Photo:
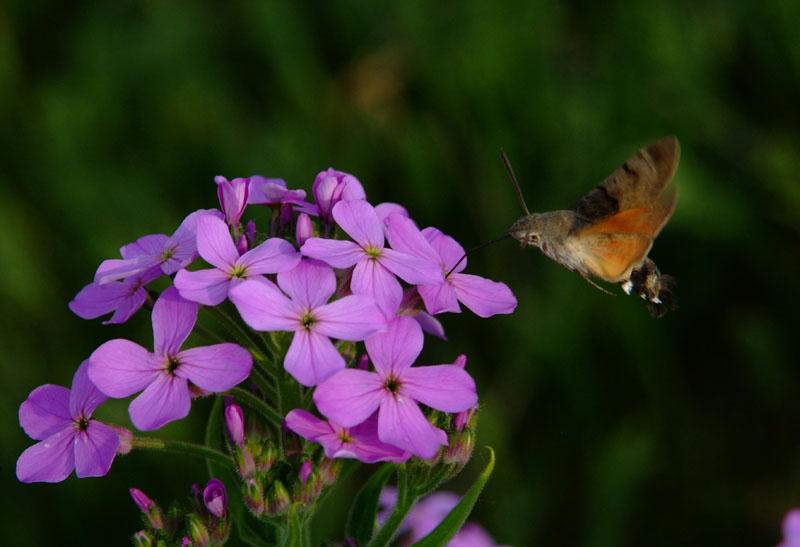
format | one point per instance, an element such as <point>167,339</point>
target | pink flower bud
<point>232,197</point>
<point>149,508</point>
<point>125,439</point>
<point>215,498</point>
<point>143,539</point>
<point>280,501</point>
<point>234,420</point>
<point>304,229</point>
<point>331,187</point>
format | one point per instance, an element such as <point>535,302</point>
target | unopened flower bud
<point>465,418</point>
<point>125,439</point>
<point>363,362</point>
<point>234,420</point>
<point>186,542</point>
<point>241,244</point>
<point>149,508</point>
<point>329,469</point>
<point>460,450</point>
<point>232,197</point>
<point>244,461</point>
<point>287,214</point>
<point>215,498</point>
<point>305,472</point>
<point>254,496</point>
<point>280,501</point>
<point>142,538</point>
<point>197,530</point>
<point>304,229</point>
<point>267,457</point>
<point>250,232</point>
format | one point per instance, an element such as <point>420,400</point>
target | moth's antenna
<point>481,246</point>
<point>514,180</point>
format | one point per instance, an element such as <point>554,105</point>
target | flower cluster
<point>322,311</point>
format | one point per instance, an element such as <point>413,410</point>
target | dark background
<point>611,428</point>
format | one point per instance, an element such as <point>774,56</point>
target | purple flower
<point>232,198</point>
<point>273,192</point>
<point>124,298</point>
<point>375,266</point>
<point>332,186</point>
<point>791,529</point>
<point>70,438</point>
<point>157,250</point>
<point>360,442</point>
<point>120,367</point>
<point>351,396</point>
<point>211,286</point>
<point>312,357</point>
<point>215,498</point>
<point>483,296</point>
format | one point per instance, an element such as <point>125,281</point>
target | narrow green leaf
<point>455,519</point>
<point>361,521</point>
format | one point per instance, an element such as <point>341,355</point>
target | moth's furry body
<point>609,232</point>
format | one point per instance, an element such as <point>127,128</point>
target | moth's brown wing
<point>611,256</point>
<point>645,220</point>
<point>638,183</point>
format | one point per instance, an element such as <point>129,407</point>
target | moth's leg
<point>592,283</point>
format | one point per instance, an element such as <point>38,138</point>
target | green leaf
<point>247,525</point>
<point>455,519</point>
<point>361,521</point>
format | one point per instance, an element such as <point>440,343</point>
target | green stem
<point>405,501</point>
<point>264,380</point>
<point>257,404</point>
<point>182,447</point>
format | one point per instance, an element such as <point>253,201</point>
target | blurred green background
<point>611,428</point>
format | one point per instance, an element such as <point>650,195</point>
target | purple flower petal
<point>353,317</point>
<point>360,221</point>
<point>272,191</point>
<point>312,358</point>
<point>430,324</point>
<point>369,448</point>
<point>215,368</point>
<point>181,247</point>
<point>272,256</point>
<point>483,296</point>
<point>95,300</point>
<point>263,306</point>
<point>402,424</point>
<point>120,368</point>
<point>45,411</point>
<point>173,320</point>
<point>386,209</point>
<point>372,279</point>
<point>411,269</point>
<point>115,269</point>
<point>339,254</point>
<point>310,284</point>
<point>306,424</point>
<point>440,298</point>
<point>95,449</point>
<point>149,245</point>
<point>350,396</point>
<point>166,399</point>
<point>50,460</point>
<point>405,237</point>
<point>444,387</point>
<point>84,396</point>
<point>450,252</point>
<point>207,287</point>
<point>397,348</point>
<point>214,242</point>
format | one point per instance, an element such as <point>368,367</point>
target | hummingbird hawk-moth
<point>609,231</point>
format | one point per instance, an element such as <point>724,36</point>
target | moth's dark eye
<point>534,238</point>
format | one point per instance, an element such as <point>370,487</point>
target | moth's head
<point>528,231</point>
